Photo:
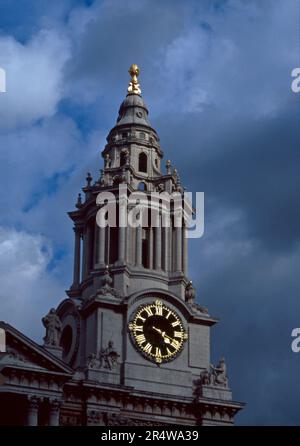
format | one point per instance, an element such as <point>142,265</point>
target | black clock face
<point>158,332</point>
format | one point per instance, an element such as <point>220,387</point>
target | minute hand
<point>165,337</point>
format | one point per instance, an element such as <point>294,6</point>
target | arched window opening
<point>142,187</point>
<point>145,248</point>
<point>143,161</point>
<point>123,158</point>
<point>66,340</point>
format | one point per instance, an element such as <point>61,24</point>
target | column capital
<point>78,229</point>
<point>55,404</point>
<point>33,401</point>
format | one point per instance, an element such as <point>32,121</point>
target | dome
<point>133,110</point>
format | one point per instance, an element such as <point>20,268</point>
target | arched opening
<point>142,186</point>
<point>145,248</point>
<point>123,158</point>
<point>143,161</point>
<point>66,340</point>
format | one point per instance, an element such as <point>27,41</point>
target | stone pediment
<point>23,353</point>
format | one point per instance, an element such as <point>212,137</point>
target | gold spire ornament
<point>134,86</point>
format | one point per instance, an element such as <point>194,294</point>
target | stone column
<point>96,245</point>
<point>86,251</point>
<point>32,411</point>
<point>150,247</point>
<point>101,247</point>
<point>166,249</point>
<point>184,250</point>
<point>54,412</point>
<point>122,242</point>
<point>158,245</point>
<point>139,230</point>
<point>178,259</point>
<point>77,253</point>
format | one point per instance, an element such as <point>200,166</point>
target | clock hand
<point>165,337</point>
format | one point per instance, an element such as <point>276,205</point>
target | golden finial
<point>134,86</point>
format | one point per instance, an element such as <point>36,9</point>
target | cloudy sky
<point>216,76</point>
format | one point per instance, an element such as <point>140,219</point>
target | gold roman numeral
<point>138,328</point>
<point>175,324</point>
<point>158,352</point>
<point>148,348</point>
<point>148,310</point>
<point>158,310</point>
<point>140,339</point>
<point>175,344</point>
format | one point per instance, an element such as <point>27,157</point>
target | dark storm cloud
<point>249,165</point>
<point>216,77</point>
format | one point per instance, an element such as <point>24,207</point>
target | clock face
<point>158,332</point>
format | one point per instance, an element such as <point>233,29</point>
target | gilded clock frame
<point>152,357</point>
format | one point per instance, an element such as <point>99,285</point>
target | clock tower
<point>131,330</point>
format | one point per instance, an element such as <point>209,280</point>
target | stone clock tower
<point>134,343</point>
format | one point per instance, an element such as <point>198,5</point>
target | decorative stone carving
<point>160,187</point>
<point>168,167</point>
<point>92,361</point>
<point>106,288</point>
<point>205,378</point>
<point>119,420</point>
<point>15,355</point>
<point>107,161</point>
<point>106,359</point>
<point>89,180</point>
<point>70,420</point>
<point>190,295</point>
<point>94,417</point>
<point>218,373</point>
<point>79,202</point>
<point>216,376</point>
<point>102,181</point>
<point>53,326</point>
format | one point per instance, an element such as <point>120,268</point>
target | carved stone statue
<point>218,372</point>
<point>53,327</point>
<point>205,378</point>
<point>107,161</point>
<point>216,376</point>
<point>93,361</point>
<point>190,295</point>
<point>108,357</point>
